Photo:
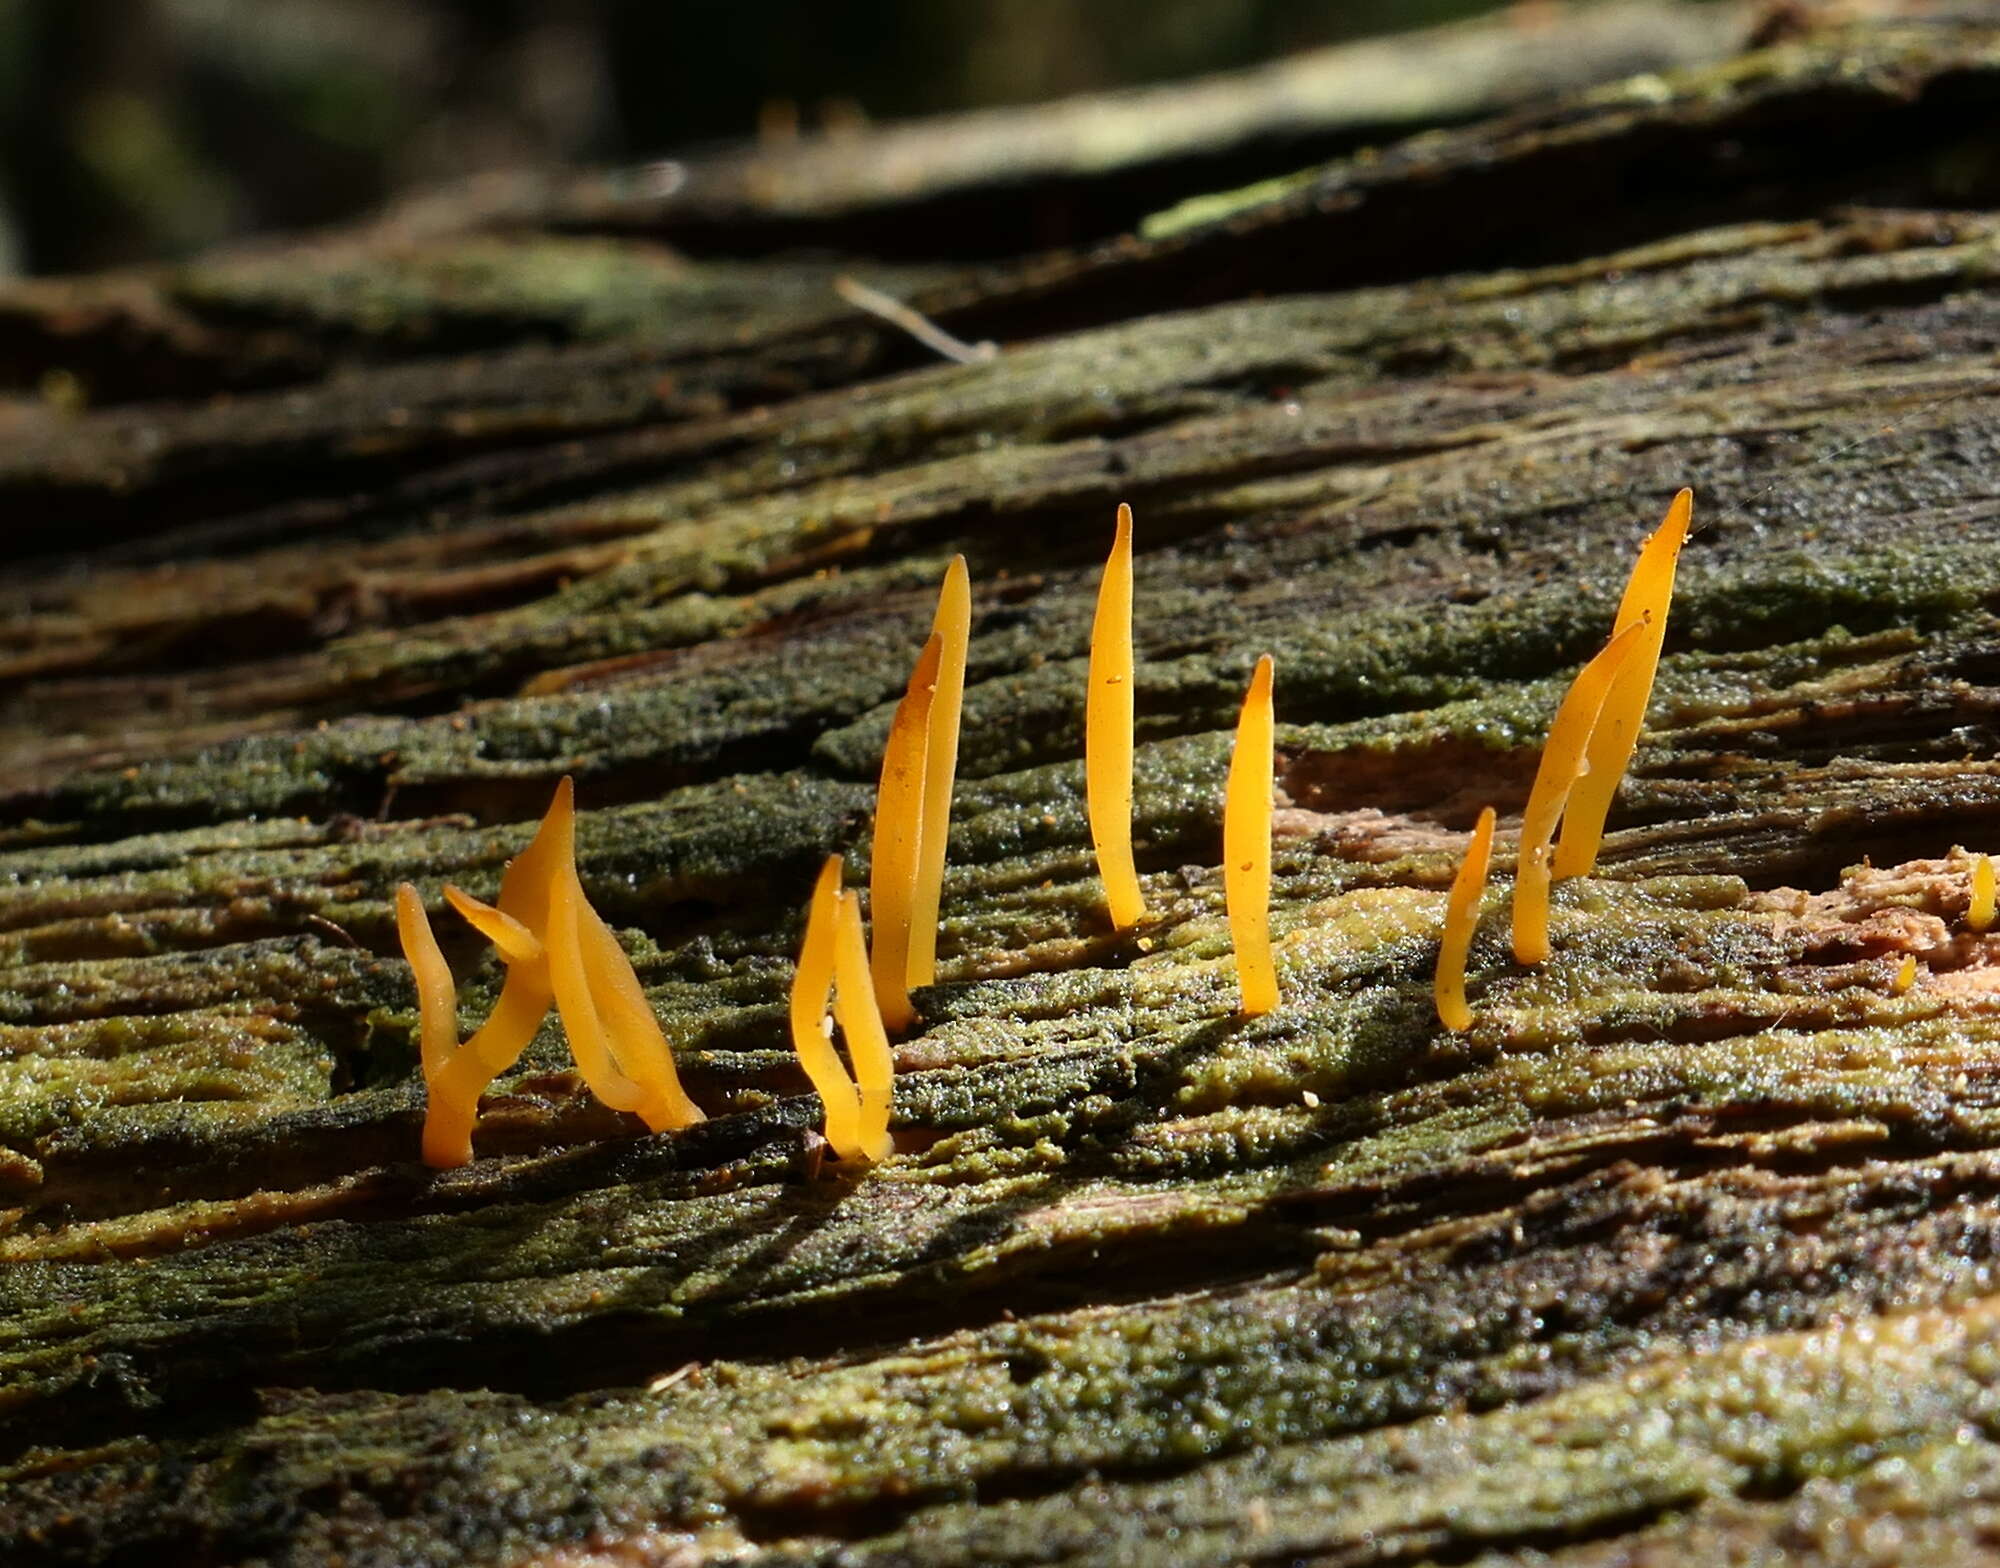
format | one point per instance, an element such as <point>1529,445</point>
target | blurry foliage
<point>131,129</point>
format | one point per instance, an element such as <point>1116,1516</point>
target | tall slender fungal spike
<point>1648,592</point>
<point>867,1041</point>
<point>1461,918</point>
<point>437,995</point>
<point>1979,913</point>
<point>1562,760</point>
<point>953,626</point>
<point>812,986</point>
<point>894,861</point>
<point>1107,733</point>
<point>1246,846</point>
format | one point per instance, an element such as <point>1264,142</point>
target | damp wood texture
<point>1681,1250</point>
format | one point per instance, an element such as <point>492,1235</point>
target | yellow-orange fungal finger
<point>588,1045</point>
<point>1648,593</point>
<point>867,1041</point>
<point>437,994</point>
<point>812,986</point>
<point>953,627</point>
<point>1562,757</point>
<point>515,942</point>
<point>1107,733</point>
<point>1906,974</point>
<point>638,1047</point>
<point>892,870</point>
<point>1461,918</point>
<point>451,1104</point>
<point>1246,846</point>
<point>1979,912</point>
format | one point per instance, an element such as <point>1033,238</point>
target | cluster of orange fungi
<point>1589,746</point>
<point>560,953</point>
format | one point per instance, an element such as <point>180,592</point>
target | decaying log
<point>1684,1251</point>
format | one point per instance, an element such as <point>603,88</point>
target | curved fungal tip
<point>515,942</point>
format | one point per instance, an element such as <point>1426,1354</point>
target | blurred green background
<point>138,129</point>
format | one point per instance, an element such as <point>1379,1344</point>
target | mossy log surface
<point>1685,1251</point>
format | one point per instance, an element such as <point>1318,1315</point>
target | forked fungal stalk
<point>1107,733</point>
<point>557,950</point>
<point>1246,846</point>
<point>1562,759</point>
<point>1461,918</point>
<point>1648,593</point>
<point>1979,913</point>
<point>860,1023</point>
<point>812,988</point>
<point>953,626</point>
<point>896,856</point>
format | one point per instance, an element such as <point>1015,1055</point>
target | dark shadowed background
<point>137,129</point>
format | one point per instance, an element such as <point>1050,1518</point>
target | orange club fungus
<point>833,961</point>
<point>1461,918</point>
<point>952,625</point>
<point>812,987</point>
<point>1107,733</point>
<point>1562,762</point>
<point>861,1026</point>
<point>557,950</point>
<point>1979,911</point>
<point>1648,592</point>
<point>913,807</point>
<point>895,861</point>
<point>1246,846</point>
